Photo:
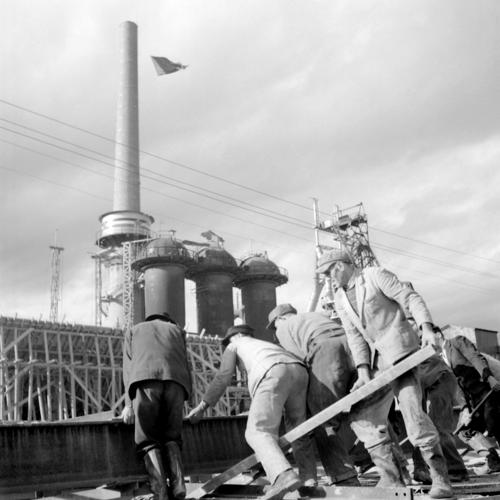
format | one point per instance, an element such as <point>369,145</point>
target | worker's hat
<point>161,316</point>
<point>279,310</point>
<point>329,258</point>
<point>233,330</point>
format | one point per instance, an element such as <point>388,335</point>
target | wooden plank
<point>343,405</point>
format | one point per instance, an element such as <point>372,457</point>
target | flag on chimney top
<point>164,66</point>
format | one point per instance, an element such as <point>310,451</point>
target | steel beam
<point>45,457</point>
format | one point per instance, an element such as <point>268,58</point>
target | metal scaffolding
<point>346,229</point>
<point>53,371</point>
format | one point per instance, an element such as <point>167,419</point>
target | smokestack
<point>126,222</point>
<point>127,182</point>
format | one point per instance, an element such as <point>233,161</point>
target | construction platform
<point>480,486</point>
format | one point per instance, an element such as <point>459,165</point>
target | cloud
<point>391,103</point>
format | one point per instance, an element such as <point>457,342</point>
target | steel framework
<point>53,371</point>
<point>347,229</point>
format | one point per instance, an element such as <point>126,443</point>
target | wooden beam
<point>343,405</point>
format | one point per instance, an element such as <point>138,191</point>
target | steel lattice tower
<point>55,281</point>
<point>346,229</point>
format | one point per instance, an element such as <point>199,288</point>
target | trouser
<point>439,402</point>
<point>158,406</point>
<point>488,415</point>
<point>331,373</point>
<point>369,422</point>
<point>284,387</point>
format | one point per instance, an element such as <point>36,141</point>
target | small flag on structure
<point>164,66</point>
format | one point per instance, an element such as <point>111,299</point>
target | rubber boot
<point>383,459</point>
<point>175,470</point>
<point>285,482</point>
<point>441,487</point>
<point>420,470</point>
<point>401,463</point>
<point>156,473</point>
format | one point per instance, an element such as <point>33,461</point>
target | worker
<point>157,382</point>
<point>439,386</point>
<point>371,304</point>
<point>440,389</point>
<point>277,381</point>
<point>476,379</point>
<point>321,344</point>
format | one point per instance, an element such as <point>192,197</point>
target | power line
<point>433,245</point>
<point>390,249</point>
<point>484,291</point>
<point>143,169</point>
<point>201,172</point>
<point>435,261</point>
<point>155,192</point>
<point>152,155</point>
<point>280,219</point>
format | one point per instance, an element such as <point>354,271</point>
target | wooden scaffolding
<point>53,371</point>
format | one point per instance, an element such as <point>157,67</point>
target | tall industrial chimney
<point>126,222</point>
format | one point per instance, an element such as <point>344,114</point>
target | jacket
<point>155,350</point>
<point>253,355</point>
<point>299,333</point>
<point>431,370</point>
<point>469,365</point>
<point>380,324</point>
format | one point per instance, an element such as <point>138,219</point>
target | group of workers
<point>312,361</point>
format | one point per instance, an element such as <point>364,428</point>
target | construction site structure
<point>55,281</point>
<point>258,278</point>
<point>345,229</point>
<point>53,371</point>
<point>213,269</point>
<point>126,222</point>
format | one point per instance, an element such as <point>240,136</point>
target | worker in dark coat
<point>439,387</point>
<point>371,304</point>
<point>476,380</point>
<point>157,382</point>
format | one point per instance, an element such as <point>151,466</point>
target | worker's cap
<point>329,258</point>
<point>161,316</point>
<point>233,330</point>
<point>279,310</point>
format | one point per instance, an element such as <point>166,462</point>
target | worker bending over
<point>476,379</point>
<point>277,381</point>
<point>321,344</point>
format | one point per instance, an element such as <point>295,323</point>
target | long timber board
<point>343,405</point>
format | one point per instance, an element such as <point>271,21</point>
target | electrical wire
<point>201,172</point>
<point>126,166</point>
<point>280,219</point>
<point>434,261</point>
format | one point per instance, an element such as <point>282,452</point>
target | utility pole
<point>55,280</point>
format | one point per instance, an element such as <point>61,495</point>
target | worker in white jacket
<point>277,381</point>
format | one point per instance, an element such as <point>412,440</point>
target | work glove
<point>428,335</point>
<point>127,415</point>
<point>196,413</point>
<point>464,419</point>
<point>363,377</point>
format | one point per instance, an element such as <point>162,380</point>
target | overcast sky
<point>391,103</point>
